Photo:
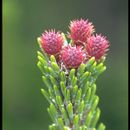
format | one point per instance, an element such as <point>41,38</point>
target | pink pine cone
<point>80,30</point>
<point>52,42</point>
<point>97,46</point>
<point>72,57</point>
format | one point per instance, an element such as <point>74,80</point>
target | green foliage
<point>72,98</point>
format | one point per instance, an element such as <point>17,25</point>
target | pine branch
<point>74,106</point>
<point>69,74</point>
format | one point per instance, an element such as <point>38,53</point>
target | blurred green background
<point>24,107</point>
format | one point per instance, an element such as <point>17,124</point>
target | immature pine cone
<point>52,42</point>
<point>72,57</point>
<point>80,30</point>
<point>97,46</point>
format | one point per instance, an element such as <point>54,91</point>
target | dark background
<point>24,108</point>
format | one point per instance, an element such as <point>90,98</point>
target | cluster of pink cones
<point>83,45</point>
